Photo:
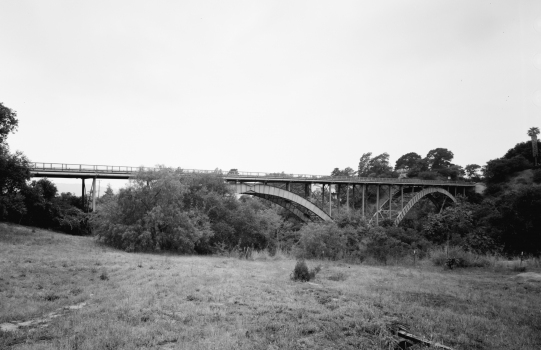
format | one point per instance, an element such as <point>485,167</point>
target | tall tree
<point>8,122</point>
<point>363,169</point>
<point>533,132</point>
<point>408,161</point>
<point>472,171</point>
<point>439,158</point>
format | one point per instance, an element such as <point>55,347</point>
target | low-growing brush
<point>302,273</point>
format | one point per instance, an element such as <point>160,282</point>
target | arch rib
<point>302,208</point>
<point>418,197</point>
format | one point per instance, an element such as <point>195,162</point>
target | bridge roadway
<point>256,183</point>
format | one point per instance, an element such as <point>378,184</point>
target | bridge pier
<point>93,194</point>
<point>353,196</point>
<point>330,200</point>
<point>347,196</point>
<point>390,200</point>
<point>401,197</point>
<point>377,205</point>
<point>83,190</point>
<point>363,189</point>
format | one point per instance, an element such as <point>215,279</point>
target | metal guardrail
<point>114,169</point>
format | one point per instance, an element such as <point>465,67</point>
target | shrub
<point>321,241</point>
<point>302,273</point>
<point>457,257</point>
<point>537,176</point>
<point>104,276</point>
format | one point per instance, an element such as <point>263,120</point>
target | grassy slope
<point>166,302</point>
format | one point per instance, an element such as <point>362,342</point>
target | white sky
<point>300,87</point>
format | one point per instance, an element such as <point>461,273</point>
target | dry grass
<point>188,302</point>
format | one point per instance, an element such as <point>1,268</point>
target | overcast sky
<point>294,86</point>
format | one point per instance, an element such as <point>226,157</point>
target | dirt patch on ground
<point>529,276</point>
<point>41,321</point>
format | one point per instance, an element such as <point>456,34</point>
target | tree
<point>499,170</point>
<point>347,172</point>
<point>408,161</point>
<point>377,166</point>
<point>14,173</point>
<point>523,149</point>
<point>8,122</point>
<point>533,132</point>
<point>472,172</point>
<point>439,158</point>
<point>363,169</point>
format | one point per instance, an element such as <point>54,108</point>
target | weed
<point>340,276</point>
<point>104,276</point>
<point>302,273</point>
<point>519,268</point>
<point>51,297</point>
<point>93,270</point>
<point>457,257</point>
<point>76,291</point>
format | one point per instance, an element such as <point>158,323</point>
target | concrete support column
<point>377,205</point>
<point>401,198</point>
<point>93,194</point>
<point>288,186</point>
<point>353,196</point>
<point>363,186</point>
<point>338,187</point>
<point>83,190</point>
<point>390,199</point>
<point>322,196</point>
<point>347,196</point>
<point>330,200</point>
<point>307,190</point>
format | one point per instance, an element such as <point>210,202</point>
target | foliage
<point>537,176</point>
<point>427,175</point>
<point>159,210</point>
<point>377,166</point>
<point>14,172</point>
<point>302,273</point>
<point>408,161</point>
<point>518,222</point>
<point>321,241</point>
<point>523,149</point>
<point>499,170</point>
<point>472,172</point>
<point>463,224</point>
<point>457,257</point>
<point>347,172</point>
<point>8,122</point>
<point>185,213</point>
<point>439,158</point>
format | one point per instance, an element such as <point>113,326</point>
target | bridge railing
<point>115,169</point>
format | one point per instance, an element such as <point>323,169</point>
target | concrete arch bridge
<point>394,198</point>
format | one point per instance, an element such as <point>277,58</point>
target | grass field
<point>155,301</point>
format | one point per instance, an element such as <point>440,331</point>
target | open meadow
<point>125,300</point>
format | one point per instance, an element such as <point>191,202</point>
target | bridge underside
<point>393,207</point>
<point>299,206</point>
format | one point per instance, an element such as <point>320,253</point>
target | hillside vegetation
<point>161,301</point>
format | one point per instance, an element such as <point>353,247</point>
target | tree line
<point>197,213</point>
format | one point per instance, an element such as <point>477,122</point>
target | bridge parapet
<point>57,169</point>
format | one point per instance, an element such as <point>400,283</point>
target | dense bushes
<point>170,210</point>
<point>356,241</point>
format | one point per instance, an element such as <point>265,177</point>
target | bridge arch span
<point>302,208</point>
<point>423,193</point>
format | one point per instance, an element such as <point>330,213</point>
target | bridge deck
<point>59,170</point>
